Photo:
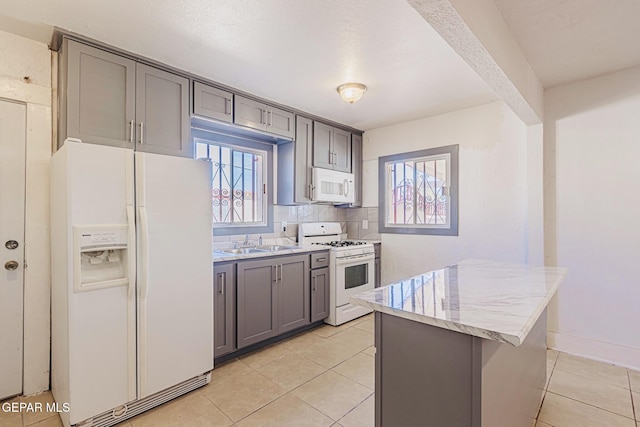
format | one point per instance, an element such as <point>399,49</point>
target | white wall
<point>535,194</point>
<point>25,58</point>
<point>493,195</point>
<point>592,211</point>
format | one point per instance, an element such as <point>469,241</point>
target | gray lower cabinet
<point>224,308</point>
<point>272,297</point>
<point>258,115</point>
<point>257,301</point>
<point>294,165</point>
<point>112,100</point>
<point>212,103</point>
<point>293,292</point>
<point>320,287</point>
<point>331,147</point>
<point>319,294</point>
<point>378,271</point>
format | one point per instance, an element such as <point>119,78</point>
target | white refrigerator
<point>132,296</point>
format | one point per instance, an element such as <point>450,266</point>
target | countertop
<point>491,300</point>
<point>219,256</point>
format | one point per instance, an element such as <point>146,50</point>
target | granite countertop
<point>220,256</point>
<point>492,300</point>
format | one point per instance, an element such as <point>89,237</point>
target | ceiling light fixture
<point>352,92</point>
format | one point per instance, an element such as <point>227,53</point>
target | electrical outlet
<point>365,224</point>
<point>284,225</point>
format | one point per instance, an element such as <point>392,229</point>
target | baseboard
<point>628,357</point>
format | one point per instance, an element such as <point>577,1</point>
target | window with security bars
<point>238,177</point>
<point>419,192</point>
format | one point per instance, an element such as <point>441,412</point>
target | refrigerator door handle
<point>144,252</point>
<point>131,296</point>
<point>132,251</point>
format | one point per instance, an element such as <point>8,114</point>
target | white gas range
<point>351,268</point>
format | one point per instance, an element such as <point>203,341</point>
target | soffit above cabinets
<point>294,53</point>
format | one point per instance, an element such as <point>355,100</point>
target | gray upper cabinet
<point>162,111</point>
<point>342,150</point>
<point>322,145</point>
<point>97,94</point>
<point>294,165</point>
<point>212,103</point>
<point>280,122</point>
<point>108,99</point>
<point>250,113</point>
<point>293,292</point>
<point>224,308</point>
<point>331,147</point>
<point>257,115</point>
<point>356,167</point>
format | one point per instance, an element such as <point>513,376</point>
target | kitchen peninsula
<point>463,346</point>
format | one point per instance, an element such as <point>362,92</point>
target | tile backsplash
<point>354,220</point>
<point>295,215</point>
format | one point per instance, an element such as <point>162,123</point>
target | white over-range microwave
<point>333,186</point>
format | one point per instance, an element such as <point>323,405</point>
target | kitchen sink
<point>275,247</point>
<point>255,249</point>
<point>244,250</point>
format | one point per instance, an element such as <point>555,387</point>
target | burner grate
<point>341,243</point>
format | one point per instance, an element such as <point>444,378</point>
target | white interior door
<point>12,193</point>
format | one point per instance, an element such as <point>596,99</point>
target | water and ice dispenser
<point>100,257</point>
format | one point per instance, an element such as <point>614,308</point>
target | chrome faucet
<point>246,241</point>
<point>260,241</point>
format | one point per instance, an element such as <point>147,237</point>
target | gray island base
<point>432,377</point>
<point>464,346</point>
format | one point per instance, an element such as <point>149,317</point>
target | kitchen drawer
<point>319,260</point>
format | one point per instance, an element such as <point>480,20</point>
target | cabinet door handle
<point>280,279</point>
<point>227,107</point>
<point>222,279</point>
<point>131,131</point>
<point>330,158</point>
<point>268,118</point>
<point>313,287</point>
<point>263,119</point>
<point>321,259</point>
<point>274,271</point>
<point>141,133</point>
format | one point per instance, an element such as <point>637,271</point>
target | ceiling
<point>570,40</point>
<point>291,52</point>
<point>297,52</point>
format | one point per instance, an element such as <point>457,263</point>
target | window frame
<point>242,142</point>
<point>452,151</point>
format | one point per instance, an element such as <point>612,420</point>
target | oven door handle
<point>347,260</point>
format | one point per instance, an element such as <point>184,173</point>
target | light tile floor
<point>325,377</point>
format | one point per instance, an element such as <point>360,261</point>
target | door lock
<point>11,265</point>
<point>11,244</point>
